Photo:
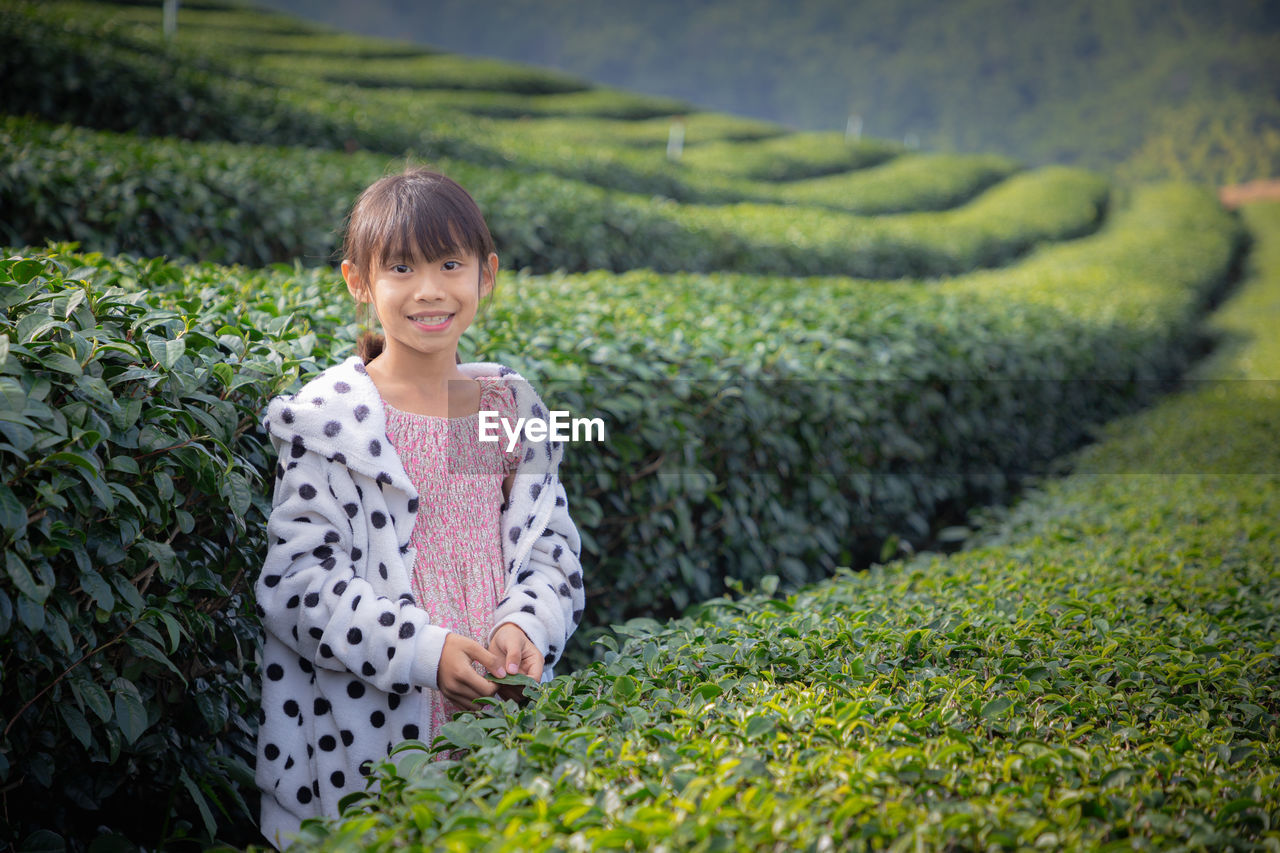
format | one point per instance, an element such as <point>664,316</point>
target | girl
<point>403,551</point>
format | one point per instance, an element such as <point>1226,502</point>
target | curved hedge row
<point>790,157</point>
<point>258,205</point>
<point>1100,673</point>
<point>910,182</point>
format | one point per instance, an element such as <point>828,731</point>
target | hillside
<point>811,355</point>
<point>1146,89</point>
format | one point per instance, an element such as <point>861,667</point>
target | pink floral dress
<point>458,576</point>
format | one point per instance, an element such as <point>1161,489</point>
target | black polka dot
<point>347,737</point>
<point>337,779</point>
<point>383,477</point>
<point>312,599</point>
<point>391,652</point>
<point>316,632</point>
<point>387,619</point>
<point>272,752</point>
<point>375,447</point>
<point>304,795</point>
<point>351,509</point>
<point>341,387</point>
<point>332,428</point>
<point>354,636</point>
<point>361,412</point>
<point>291,708</point>
<point>413,504</point>
<point>279,471</point>
<point>305,666</point>
<point>271,580</point>
<point>549,659</point>
<point>331,537</point>
<point>559,501</point>
<point>382,570</point>
<point>328,564</point>
<point>292,602</point>
<point>514,534</point>
<point>528,608</point>
<point>340,458</point>
<point>564,590</point>
<point>575,580</point>
<point>535,490</point>
<point>321,706</point>
<point>530,593</point>
<point>377,719</point>
<point>322,551</point>
<point>393,701</point>
<point>356,553</point>
<point>360,368</point>
<point>325,651</point>
<point>528,522</point>
<point>366,767</point>
<point>355,689</point>
<point>340,587</point>
<point>367,670</point>
<point>378,520</point>
<point>406,630</point>
<point>317,401</point>
<point>410,732</point>
<point>577,616</point>
<point>287,416</point>
<point>328,743</point>
<point>297,448</point>
<point>400,688</point>
<point>355,603</point>
<point>275,672</point>
<point>528,455</point>
<point>556,552</point>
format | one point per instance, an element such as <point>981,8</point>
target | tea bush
<point>790,157</point>
<point>132,505</point>
<point>1100,671</point>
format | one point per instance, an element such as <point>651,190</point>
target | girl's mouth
<point>432,322</point>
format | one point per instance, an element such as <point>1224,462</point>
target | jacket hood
<point>340,415</point>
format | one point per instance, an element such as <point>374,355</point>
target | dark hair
<point>416,214</point>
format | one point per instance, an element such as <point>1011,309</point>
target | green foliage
<point>132,508</point>
<point>257,205</point>
<point>1099,672</point>
<point>790,157</point>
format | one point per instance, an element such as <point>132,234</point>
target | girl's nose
<point>427,288</point>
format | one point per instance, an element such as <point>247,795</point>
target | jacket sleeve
<point>313,601</point>
<point>545,598</point>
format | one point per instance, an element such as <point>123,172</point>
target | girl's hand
<point>512,646</point>
<point>456,677</point>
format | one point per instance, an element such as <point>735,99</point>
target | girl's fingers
<point>484,657</point>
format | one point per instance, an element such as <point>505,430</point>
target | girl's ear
<point>355,284</point>
<point>489,276</point>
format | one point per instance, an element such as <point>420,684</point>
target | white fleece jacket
<point>346,652</point>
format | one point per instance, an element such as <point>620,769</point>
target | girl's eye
<point>400,268</point>
<point>451,265</point>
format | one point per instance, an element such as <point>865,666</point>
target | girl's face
<point>425,305</point>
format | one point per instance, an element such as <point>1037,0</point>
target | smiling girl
<point>404,552</point>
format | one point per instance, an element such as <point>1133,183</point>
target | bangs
<point>417,216</point>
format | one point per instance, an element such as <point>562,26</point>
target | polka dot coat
<point>347,654</point>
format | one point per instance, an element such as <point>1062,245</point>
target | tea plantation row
<point>800,420</point>
<point>92,70</point>
<point>1100,672</point>
<point>255,205</point>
